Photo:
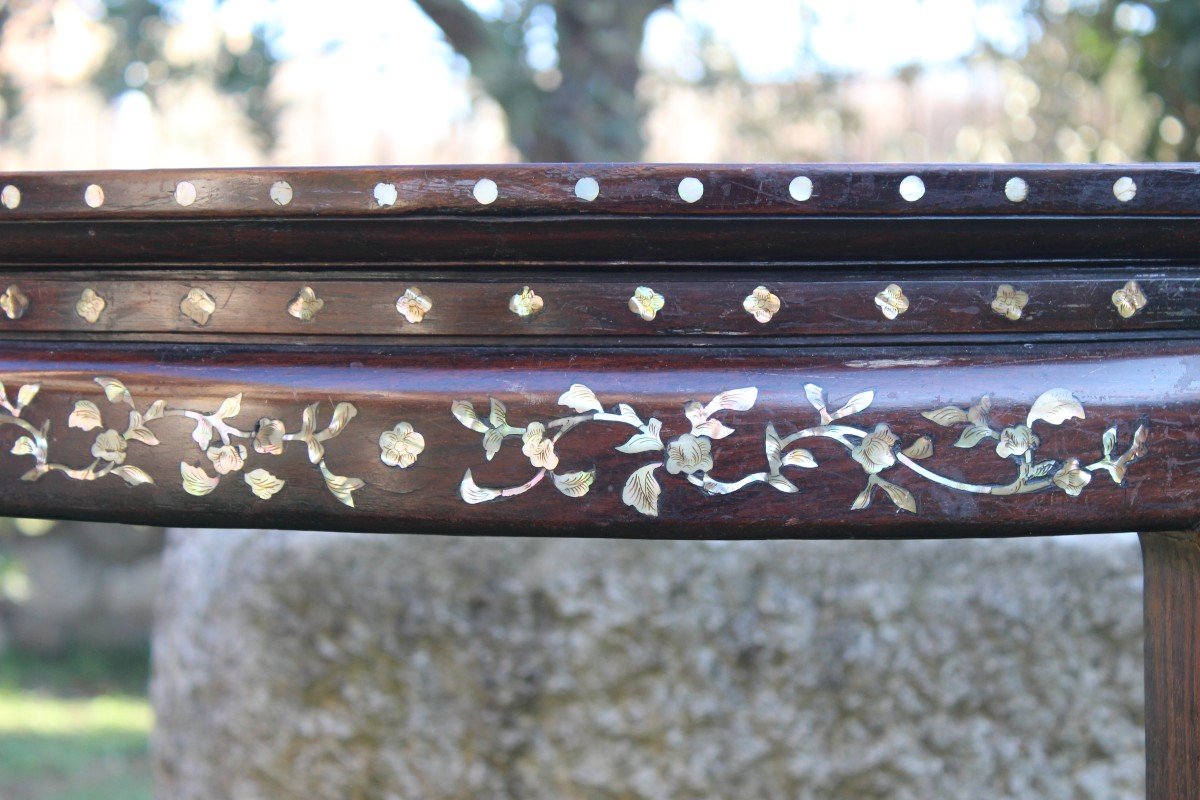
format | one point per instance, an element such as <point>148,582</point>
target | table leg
<point>1172,613</point>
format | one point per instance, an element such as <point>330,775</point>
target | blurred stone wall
<point>306,665</point>
<point>70,584</point>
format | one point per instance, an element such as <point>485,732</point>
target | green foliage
<point>138,59</point>
<point>1157,40</point>
<point>75,727</point>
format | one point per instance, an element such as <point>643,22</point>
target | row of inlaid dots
<point>485,191</point>
<point>762,304</point>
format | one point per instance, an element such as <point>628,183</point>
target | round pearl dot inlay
<point>691,189</point>
<point>912,188</point>
<point>801,188</point>
<point>587,189</point>
<point>486,191</point>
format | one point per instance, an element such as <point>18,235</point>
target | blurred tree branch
<point>584,106</point>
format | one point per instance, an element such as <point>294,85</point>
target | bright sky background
<point>864,36</point>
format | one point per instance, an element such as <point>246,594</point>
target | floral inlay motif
<point>525,303</point>
<point>14,302</point>
<point>413,305</point>
<point>1009,302</point>
<point>877,451</point>
<point>198,306</point>
<point>90,306</point>
<point>305,305</point>
<point>761,304</point>
<point>1129,299</point>
<point>891,301</point>
<point>214,435</point>
<point>646,303</point>
<point>400,446</point>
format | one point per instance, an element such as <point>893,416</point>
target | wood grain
<point>1119,385</point>
<point>1172,567</point>
<point>821,303</point>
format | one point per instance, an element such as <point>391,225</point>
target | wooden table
<point>643,351</point>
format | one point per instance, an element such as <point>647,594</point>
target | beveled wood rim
<point>602,189</point>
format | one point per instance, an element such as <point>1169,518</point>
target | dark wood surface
<point>708,303</point>
<point>951,415</point>
<point>1119,386</point>
<point>1172,566</point>
<point>1072,250</point>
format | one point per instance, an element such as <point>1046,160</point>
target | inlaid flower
<point>891,301</point>
<point>227,458</point>
<point>1016,441</point>
<point>875,452</point>
<point>268,436</point>
<point>537,447</point>
<point>413,305</point>
<point>646,302</point>
<point>1071,477</point>
<point>198,306</point>
<point>14,302</point>
<point>689,454</point>
<point>525,303</point>
<point>305,305</point>
<point>400,446</point>
<point>109,446</point>
<point>90,305</point>
<point>761,304</point>
<point>1009,302</point>
<point>1129,300</point>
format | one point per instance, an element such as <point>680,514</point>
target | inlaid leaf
<point>264,484</point>
<point>308,421</point>
<point>711,428</point>
<point>1042,469</point>
<point>978,413</point>
<point>973,435</point>
<point>203,433</point>
<point>1056,407</point>
<point>464,412</point>
<point>799,458</point>
<point>641,490</point>
<point>773,447</point>
<point>24,446</point>
<point>499,413</point>
<point>946,416</point>
<point>114,390</point>
<point>815,395</point>
<point>864,498</point>
<point>137,430</point>
<point>86,416</point>
<point>196,481</point>
<point>342,414</point>
<point>855,404</point>
<point>316,450</point>
<point>625,411</point>
<point>492,440</point>
<point>134,476</point>
<point>646,441</point>
<point>230,407</point>
<point>580,398</point>
<point>902,497</point>
<point>782,484</point>
<point>27,393</point>
<point>155,411</point>
<point>575,484</point>
<point>1109,441</point>
<point>921,448</point>
<point>341,486</point>
<point>733,400</point>
<point>472,493</point>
